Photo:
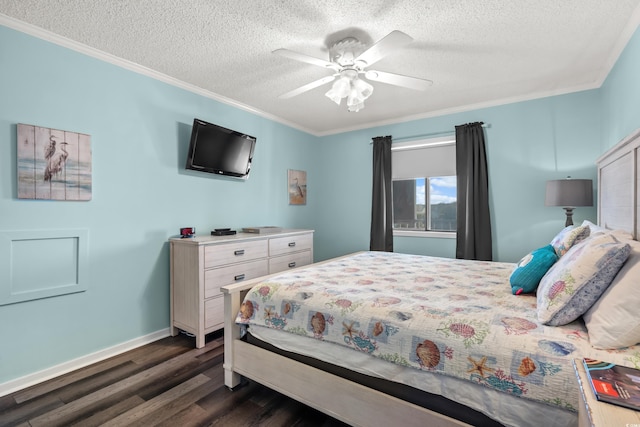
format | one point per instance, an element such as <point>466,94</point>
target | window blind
<point>419,162</point>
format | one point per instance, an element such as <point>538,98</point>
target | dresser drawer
<point>228,253</point>
<point>285,262</point>
<point>222,276</point>
<point>214,312</point>
<point>285,245</point>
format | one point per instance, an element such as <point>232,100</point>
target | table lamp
<point>569,193</point>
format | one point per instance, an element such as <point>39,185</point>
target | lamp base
<point>569,212</point>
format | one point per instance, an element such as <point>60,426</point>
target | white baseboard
<point>18,384</point>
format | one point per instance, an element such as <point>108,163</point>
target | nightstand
<point>600,414</point>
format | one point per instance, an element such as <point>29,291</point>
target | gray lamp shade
<point>569,193</point>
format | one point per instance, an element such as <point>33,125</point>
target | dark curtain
<point>381,209</point>
<point>474,221</point>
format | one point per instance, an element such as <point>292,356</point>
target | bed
<point>378,338</point>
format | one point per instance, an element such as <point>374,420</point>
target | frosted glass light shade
<point>351,87</point>
<point>364,89</point>
<point>339,90</point>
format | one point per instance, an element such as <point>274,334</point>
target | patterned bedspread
<point>443,315</point>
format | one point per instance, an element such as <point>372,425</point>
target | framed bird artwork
<point>297,187</point>
<point>53,164</point>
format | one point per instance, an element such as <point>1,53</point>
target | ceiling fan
<point>348,60</point>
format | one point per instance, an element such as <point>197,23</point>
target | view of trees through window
<point>411,210</point>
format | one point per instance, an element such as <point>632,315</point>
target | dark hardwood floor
<point>166,383</point>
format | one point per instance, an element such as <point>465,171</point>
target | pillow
<point>614,320</point>
<point>620,234</point>
<point>568,237</point>
<point>578,279</point>
<point>526,277</point>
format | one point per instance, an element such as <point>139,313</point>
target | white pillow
<point>574,283</point>
<point>620,234</point>
<point>614,320</point>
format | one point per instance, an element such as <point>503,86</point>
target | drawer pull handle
<point>239,252</point>
<point>239,277</point>
<point>292,264</point>
<point>292,244</point>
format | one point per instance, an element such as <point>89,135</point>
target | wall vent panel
<point>39,264</point>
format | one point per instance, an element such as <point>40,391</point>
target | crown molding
<point>59,40</point>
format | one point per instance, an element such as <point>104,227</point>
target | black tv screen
<point>219,150</point>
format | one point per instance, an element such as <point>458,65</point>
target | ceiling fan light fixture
<point>332,96</point>
<point>354,108</point>
<point>349,58</point>
<point>340,89</point>
<point>364,89</point>
<point>355,101</point>
<point>351,87</point>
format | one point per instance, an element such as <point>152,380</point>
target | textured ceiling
<point>477,52</point>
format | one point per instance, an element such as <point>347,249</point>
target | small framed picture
<point>297,181</point>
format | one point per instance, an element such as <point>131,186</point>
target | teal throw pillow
<point>530,270</point>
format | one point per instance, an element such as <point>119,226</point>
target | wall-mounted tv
<point>219,150</point>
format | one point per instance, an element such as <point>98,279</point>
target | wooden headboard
<point>619,186</point>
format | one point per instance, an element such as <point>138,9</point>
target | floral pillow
<point>578,279</point>
<point>531,268</point>
<point>568,237</point>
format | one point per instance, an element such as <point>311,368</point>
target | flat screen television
<point>219,150</point>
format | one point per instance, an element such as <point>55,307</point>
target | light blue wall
<point>142,194</point>
<point>621,95</point>
<point>527,144</point>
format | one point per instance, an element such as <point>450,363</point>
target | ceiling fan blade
<point>392,41</point>
<point>398,80</point>
<point>306,58</point>
<point>308,87</point>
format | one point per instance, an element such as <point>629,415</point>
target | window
<point>424,186</point>
<point>410,208</point>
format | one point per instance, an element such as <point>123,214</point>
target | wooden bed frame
<point>619,186</point>
<point>347,401</point>
<point>358,405</point>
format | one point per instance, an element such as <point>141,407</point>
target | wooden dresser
<point>202,264</point>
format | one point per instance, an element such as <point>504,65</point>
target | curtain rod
<point>424,135</point>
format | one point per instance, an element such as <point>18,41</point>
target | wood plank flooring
<point>166,383</point>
